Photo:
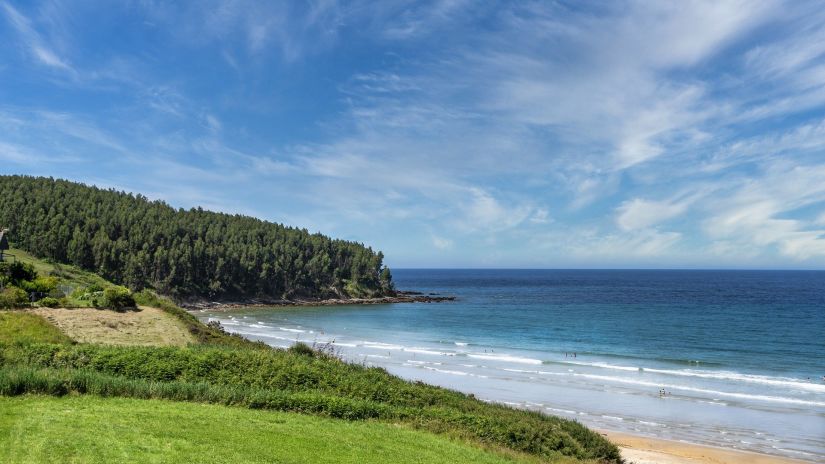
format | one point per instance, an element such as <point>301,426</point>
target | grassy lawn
<point>147,327</point>
<point>89,430</point>
<point>24,327</point>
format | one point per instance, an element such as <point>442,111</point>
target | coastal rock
<point>400,297</point>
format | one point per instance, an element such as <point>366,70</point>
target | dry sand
<point>643,450</point>
<point>146,326</point>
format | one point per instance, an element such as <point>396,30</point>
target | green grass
<point>94,430</point>
<point>290,381</point>
<point>20,327</point>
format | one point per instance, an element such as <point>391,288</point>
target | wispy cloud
<point>33,41</point>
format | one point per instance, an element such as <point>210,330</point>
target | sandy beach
<point>644,450</point>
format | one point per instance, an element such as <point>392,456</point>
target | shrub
<point>49,302</point>
<point>42,284</point>
<point>13,297</point>
<point>19,272</point>
<point>84,293</point>
<point>302,349</point>
<point>117,298</point>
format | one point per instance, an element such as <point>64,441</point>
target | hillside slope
<point>139,243</point>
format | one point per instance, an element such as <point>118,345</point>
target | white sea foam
<point>348,345</point>
<point>461,343</point>
<point>566,411</point>
<point>612,417</point>
<point>285,329</point>
<point>424,351</point>
<point>525,371</point>
<point>793,451</point>
<point>786,382</point>
<point>382,346</point>
<point>652,424</point>
<point>505,358</point>
<point>445,371</point>
<point>262,335</point>
<point>798,384</point>
<point>745,396</point>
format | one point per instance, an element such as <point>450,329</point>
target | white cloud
<point>441,243</point>
<point>541,216</point>
<point>33,40</point>
<point>639,213</point>
<point>760,212</point>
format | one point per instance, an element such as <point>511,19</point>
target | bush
<point>19,272</point>
<point>13,297</point>
<point>42,284</point>
<point>85,293</point>
<point>302,349</point>
<point>117,298</point>
<point>49,302</point>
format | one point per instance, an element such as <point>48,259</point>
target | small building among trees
<point>4,242</point>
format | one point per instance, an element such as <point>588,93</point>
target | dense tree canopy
<point>187,254</point>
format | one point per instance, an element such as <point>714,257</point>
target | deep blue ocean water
<point>740,355</point>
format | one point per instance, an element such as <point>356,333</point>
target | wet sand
<point>644,450</point>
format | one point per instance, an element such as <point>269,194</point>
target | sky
<point>448,133</point>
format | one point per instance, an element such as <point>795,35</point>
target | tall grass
<point>289,381</point>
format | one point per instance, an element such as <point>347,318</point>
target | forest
<point>185,254</point>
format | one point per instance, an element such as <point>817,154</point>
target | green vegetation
<point>118,298</point>
<point>70,429</point>
<point>21,328</point>
<point>13,297</point>
<point>26,275</point>
<point>295,381</point>
<point>141,244</point>
<point>89,290</point>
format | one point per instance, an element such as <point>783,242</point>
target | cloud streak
<point>33,41</point>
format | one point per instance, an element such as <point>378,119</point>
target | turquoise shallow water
<point>739,354</point>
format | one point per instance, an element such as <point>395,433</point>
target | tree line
<point>194,253</point>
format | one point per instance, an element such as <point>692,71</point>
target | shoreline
<point>641,449</point>
<point>400,297</point>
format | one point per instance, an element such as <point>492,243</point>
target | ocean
<point>727,358</point>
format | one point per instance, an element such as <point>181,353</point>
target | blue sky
<point>446,133</point>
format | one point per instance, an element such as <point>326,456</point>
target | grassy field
<point>94,430</point>
<point>23,327</point>
<point>146,327</point>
